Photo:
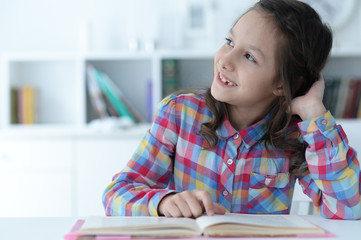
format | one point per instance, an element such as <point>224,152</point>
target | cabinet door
<point>98,160</point>
<point>35,177</point>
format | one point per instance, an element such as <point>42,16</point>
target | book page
<point>140,226</point>
<point>271,220</point>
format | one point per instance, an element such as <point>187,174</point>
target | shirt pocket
<point>268,193</point>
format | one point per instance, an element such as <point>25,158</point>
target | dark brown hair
<point>303,49</point>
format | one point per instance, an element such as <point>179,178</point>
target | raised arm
<point>333,179</point>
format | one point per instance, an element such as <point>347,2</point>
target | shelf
<point>61,80</point>
<point>186,54</point>
<point>114,56</point>
<point>131,76</point>
<point>40,130</point>
<point>118,55</point>
<point>56,89</point>
<point>345,53</point>
<point>350,66</point>
<point>39,56</point>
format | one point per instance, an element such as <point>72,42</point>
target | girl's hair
<point>305,43</point>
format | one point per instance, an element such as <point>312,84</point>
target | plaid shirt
<point>239,173</point>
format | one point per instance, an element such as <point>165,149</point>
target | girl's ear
<point>278,91</point>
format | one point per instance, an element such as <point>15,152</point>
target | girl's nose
<point>227,62</point>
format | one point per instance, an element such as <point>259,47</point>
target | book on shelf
<point>353,98</point>
<point>228,225</point>
<point>96,95</point>
<point>14,105</point>
<point>129,106</point>
<point>170,78</point>
<point>149,101</point>
<point>23,105</point>
<point>107,99</point>
<point>342,96</point>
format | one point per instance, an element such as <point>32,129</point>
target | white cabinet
<point>59,173</point>
<point>98,159</point>
<point>35,177</point>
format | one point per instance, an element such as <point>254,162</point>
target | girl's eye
<point>229,42</point>
<point>249,57</point>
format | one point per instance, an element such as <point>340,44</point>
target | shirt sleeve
<point>333,177</point>
<point>141,185</point>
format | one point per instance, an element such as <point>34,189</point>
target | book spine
<point>170,78</point>
<point>342,98</point>
<point>327,96</point>
<point>357,98</point>
<point>96,95</point>
<point>109,108</point>
<point>14,106</point>
<point>23,105</point>
<point>359,108</point>
<point>21,115</point>
<point>350,102</point>
<point>112,97</point>
<point>149,101</point>
<point>132,110</point>
<point>335,93</point>
<point>30,105</point>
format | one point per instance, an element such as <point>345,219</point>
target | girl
<point>240,146</point>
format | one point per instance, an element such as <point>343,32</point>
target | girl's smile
<point>224,81</point>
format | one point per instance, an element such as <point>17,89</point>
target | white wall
<point>71,25</point>
<point>56,25</point>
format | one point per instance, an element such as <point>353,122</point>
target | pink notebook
<point>73,235</point>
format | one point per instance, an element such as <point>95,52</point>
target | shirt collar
<point>249,135</point>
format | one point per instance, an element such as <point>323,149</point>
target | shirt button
<point>236,136</point>
<point>267,181</point>
<point>229,161</point>
<point>225,193</point>
<point>324,122</point>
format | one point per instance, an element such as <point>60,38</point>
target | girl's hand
<point>310,105</point>
<point>189,204</point>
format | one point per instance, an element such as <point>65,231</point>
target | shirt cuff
<point>155,200</point>
<point>324,123</point>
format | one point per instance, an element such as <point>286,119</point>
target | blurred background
<point>63,137</point>
<point>110,25</point>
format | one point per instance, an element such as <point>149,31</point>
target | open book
<point>217,225</point>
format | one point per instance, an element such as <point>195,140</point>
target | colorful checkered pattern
<point>239,173</point>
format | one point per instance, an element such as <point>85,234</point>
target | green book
<point>14,105</point>
<point>170,78</point>
<point>111,95</point>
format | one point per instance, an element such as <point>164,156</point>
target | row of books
<point>342,96</point>
<point>23,105</point>
<point>107,98</point>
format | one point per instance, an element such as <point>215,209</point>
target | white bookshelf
<point>60,81</point>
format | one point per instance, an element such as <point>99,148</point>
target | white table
<point>56,228</point>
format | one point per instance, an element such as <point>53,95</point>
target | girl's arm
<point>333,179</point>
<point>138,189</point>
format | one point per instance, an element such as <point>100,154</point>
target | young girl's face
<point>245,67</point>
